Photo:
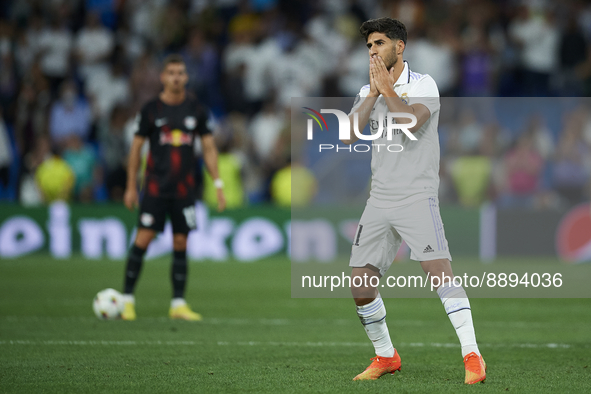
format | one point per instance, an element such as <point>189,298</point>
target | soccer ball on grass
<point>108,304</point>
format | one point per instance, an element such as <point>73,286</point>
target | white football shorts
<point>381,230</point>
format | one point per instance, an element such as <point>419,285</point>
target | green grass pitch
<point>256,339</point>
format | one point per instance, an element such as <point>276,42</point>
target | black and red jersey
<point>171,130</point>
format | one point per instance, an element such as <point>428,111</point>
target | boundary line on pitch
<point>260,321</point>
<point>273,343</point>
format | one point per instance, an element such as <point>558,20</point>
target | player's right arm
<point>142,130</point>
<point>131,198</point>
<point>363,105</point>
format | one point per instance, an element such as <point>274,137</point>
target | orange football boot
<point>475,368</point>
<point>380,366</point>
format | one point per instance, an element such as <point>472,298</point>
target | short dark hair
<point>392,28</point>
<point>172,58</point>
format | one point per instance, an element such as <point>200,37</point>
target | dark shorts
<point>153,212</point>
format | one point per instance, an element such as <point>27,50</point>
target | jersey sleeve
<point>142,125</point>
<point>363,92</point>
<point>204,122</point>
<point>425,92</point>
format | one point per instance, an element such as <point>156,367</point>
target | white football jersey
<point>400,178</point>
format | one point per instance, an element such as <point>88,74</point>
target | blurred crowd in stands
<point>74,73</point>
<point>517,152</point>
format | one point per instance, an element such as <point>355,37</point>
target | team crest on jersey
<point>190,122</point>
<point>404,98</point>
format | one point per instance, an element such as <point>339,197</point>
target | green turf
<point>256,339</point>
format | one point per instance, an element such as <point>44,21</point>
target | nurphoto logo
<point>385,127</point>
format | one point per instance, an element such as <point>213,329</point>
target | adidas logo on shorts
<point>428,249</point>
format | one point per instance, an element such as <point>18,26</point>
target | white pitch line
<point>210,320</point>
<point>270,321</point>
<point>272,343</point>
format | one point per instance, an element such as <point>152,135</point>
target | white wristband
<point>218,183</point>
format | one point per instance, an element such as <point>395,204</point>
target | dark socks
<point>179,273</point>
<point>134,266</point>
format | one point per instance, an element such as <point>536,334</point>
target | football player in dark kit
<point>170,122</point>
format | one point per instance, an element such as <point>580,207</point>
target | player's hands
<point>131,199</point>
<point>382,78</point>
<point>221,199</point>
<point>373,90</point>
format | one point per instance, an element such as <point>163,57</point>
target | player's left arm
<point>210,157</point>
<point>420,111</point>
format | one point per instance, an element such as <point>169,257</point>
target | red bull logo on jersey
<point>175,138</point>
<point>573,237</point>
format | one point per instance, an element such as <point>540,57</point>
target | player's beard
<point>391,61</point>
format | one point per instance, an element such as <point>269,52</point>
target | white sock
<point>128,298</point>
<point>456,304</point>
<point>177,302</point>
<point>373,318</point>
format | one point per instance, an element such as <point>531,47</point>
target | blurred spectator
<point>55,179</point>
<point>108,89</point>
<point>573,53</point>
<point>202,64</point>
<point>250,61</point>
<point>538,37</point>
<point>143,17</point>
<point>470,131</point>
<point>55,46</point>
<point>570,169</point>
<point>230,171</point>
<point>8,77</point>
<point>298,70</point>
<point>82,160</point>
<point>265,130</point>
<point>93,47</point>
<point>585,110</point>
<point>472,173</point>
<point>145,80</point>
<point>114,152</point>
<point>171,23</point>
<point>105,9</point>
<point>434,54</point>
<point>70,115</point>
<point>31,112</point>
<point>236,124</point>
<point>477,57</point>
<point>336,37</point>
<point>29,193</point>
<point>354,69</point>
<point>27,43</point>
<point>523,167</point>
<point>6,155</point>
<point>132,45</point>
<point>542,136</point>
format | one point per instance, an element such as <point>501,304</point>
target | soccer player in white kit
<point>403,202</point>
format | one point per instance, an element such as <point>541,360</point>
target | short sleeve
<point>363,92</point>
<point>425,92</point>
<point>205,123</point>
<point>142,126</point>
